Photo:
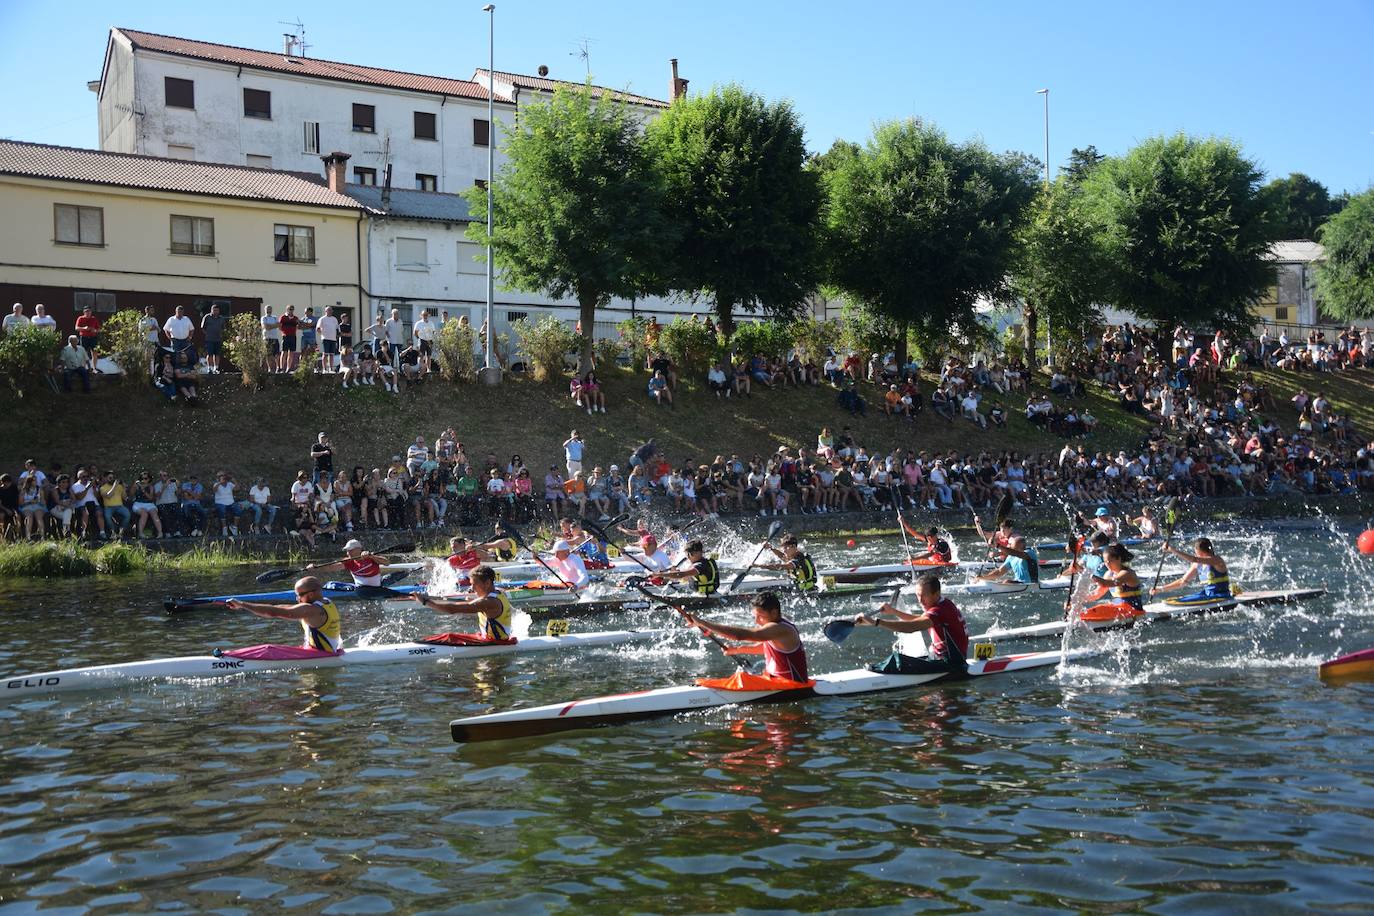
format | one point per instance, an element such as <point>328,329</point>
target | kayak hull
<point>1356,666</point>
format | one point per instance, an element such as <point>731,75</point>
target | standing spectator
<point>74,361</point>
<point>212,326</point>
<point>179,329</point>
<point>112,506</point>
<point>395,336</point>
<point>423,335</point>
<point>165,498</point>
<point>307,330</point>
<point>322,453</point>
<point>553,490</point>
<point>16,319</point>
<point>41,318</point>
<point>289,324</point>
<point>376,339</point>
<point>260,500</point>
<point>345,329</point>
<point>271,335</point>
<point>328,330</point>
<point>573,448</point>
<point>191,510</point>
<point>88,329</point>
<point>148,326</point>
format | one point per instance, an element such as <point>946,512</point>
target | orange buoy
<point>1365,542</point>
<point>851,543</point>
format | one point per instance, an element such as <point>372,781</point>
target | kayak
<point>226,664</point>
<point>1063,545</point>
<point>882,571</point>
<point>1158,610</point>
<point>667,701</point>
<point>335,591</point>
<point>1356,666</point>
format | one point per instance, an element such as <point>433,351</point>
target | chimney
<point>677,87</point>
<point>288,42</point>
<point>336,170</point>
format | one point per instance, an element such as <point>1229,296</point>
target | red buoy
<point>1365,542</point>
<point>851,543</point>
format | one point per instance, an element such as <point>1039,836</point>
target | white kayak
<point>892,570</point>
<point>1158,610</point>
<point>98,677</point>
<point>648,704</point>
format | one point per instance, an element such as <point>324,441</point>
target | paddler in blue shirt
<point>1021,563</point>
<point>318,616</point>
<point>492,607</point>
<point>1090,561</point>
<point>1208,569</point>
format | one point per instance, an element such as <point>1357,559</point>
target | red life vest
<point>790,665</point>
<point>468,559</point>
<point>365,570</point>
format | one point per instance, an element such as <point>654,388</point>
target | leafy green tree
<point>578,206</point>
<point>1345,282</point>
<point>690,344</point>
<point>128,345</point>
<point>243,340</point>
<point>1186,230</point>
<point>746,207</point>
<point>1298,206</point>
<point>919,228</point>
<point>1082,162</point>
<point>26,355</point>
<point>454,348</point>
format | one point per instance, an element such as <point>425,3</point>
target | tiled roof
<point>65,163</point>
<point>544,84</point>
<point>406,203</point>
<point>307,66</point>
<point>1297,251</point>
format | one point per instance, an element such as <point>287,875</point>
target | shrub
<point>27,354</point>
<point>690,344</point>
<point>634,338</point>
<point>771,338</point>
<point>865,332</point>
<point>454,351</point>
<point>310,361</point>
<point>243,340</point>
<point>606,351</point>
<point>545,343</point>
<point>127,344</point>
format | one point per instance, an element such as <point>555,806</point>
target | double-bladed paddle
<point>1170,520</point>
<point>773,529</point>
<point>276,575</point>
<point>519,539</point>
<point>637,583</point>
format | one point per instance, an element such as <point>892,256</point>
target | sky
<point>1293,84</point>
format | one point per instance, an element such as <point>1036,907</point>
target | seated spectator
<point>716,379</point>
<point>850,400</point>
<point>969,409</point>
<point>941,403</point>
<point>260,501</point>
<point>659,389</point>
<point>192,492</point>
<point>593,395</point>
<point>145,507</point>
<point>72,360</point>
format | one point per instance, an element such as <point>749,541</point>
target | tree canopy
<point>737,191</point>
<point>578,205</point>
<point>1298,206</point>
<point>1345,282</point>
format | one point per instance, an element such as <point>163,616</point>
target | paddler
<point>592,549</point>
<point>784,656</point>
<point>1119,582</point>
<point>792,559</point>
<point>937,550</point>
<point>1208,569</point>
<point>1000,537</point>
<point>1089,560</point>
<point>1146,522</point>
<point>492,607</point>
<point>365,568</point>
<point>651,555</point>
<point>1101,521</point>
<point>940,616</point>
<point>701,570</point>
<point>318,616</point>
<point>502,547</point>
<point>569,565</point>
<point>1020,564</point>
<point>464,557</point>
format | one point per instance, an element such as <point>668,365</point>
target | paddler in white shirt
<point>1149,527</point>
<point>492,607</point>
<point>318,616</point>
<point>365,568</point>
<point>1102,521</point>
<point>569,565</point>
<point>651,556</point>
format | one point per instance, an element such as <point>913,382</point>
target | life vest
<point>1215,584</point>
<point>365,570</point>
<point>1125,594</point>
<point>327,636</point>
<point>497,627</point>
<point>707,579</point>
<point>789,665</point>
<point>504,550</point>
<point>804,572</point>
<point>939,548</point>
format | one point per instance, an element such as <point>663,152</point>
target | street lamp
<point>491,372</point>
<point>1049,341</point>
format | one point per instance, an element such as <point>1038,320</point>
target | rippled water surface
<point>1193,767</point>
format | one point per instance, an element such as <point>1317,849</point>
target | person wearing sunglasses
<point>318,616</point>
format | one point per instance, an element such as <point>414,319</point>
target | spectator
<point>423,334</point>
<point>179,329</point>
<point>227,505</point>
<point>271,335</point>
<point>16,319</point>
<point>659,390</point>
<point>327,328</point>
<point>212,326</point>
<point>289,325</point>
<point>716,379</point>
<point>573,448</point>
<point>88,330</point>
<point>74,360</point>
<point>260,501</point>
<point>145,507</point>
<point>592,392</point>
<point>41,319</point>
<point>165,490</point>
<point>322,454</point>
<point>307,331</point>
<point>192,511</point>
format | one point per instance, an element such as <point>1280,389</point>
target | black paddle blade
<point>275,575</point>
<point>838,630</point>
<point>515,535</point>
<point>636,582</point>
<point>1004,506</point>
<point>393,578</point>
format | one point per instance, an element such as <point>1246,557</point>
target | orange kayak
<point>1357,666</point>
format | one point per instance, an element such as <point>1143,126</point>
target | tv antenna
<point>584,51</point>
<point>295,39</point>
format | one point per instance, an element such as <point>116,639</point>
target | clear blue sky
<point>1293,84</point>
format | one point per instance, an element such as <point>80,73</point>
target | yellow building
<point>117,231</point>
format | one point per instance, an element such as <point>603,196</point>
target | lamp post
<point>1049,341</point>
<point>491,372</point>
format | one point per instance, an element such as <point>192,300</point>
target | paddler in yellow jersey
<point>318,616</point>
<point>502,547</point>
<point>801,566</point>
<point>1209,569</point>
<point>492,607</point>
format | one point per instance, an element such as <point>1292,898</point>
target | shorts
<point>329,345</point>
<point>308,339</point>
<point>273,346</point>
<point>213,347</point>
<point>288,343</point>
<point>144,507</point>
<point>574,467</point>
<point>426,347</point>
<point>90,342</point>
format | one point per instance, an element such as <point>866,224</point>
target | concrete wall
<point>118,103</point>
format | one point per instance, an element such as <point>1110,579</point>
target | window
<point>176,151</point>
<point>480,182</point>
<point>295,244</point>
<point>180,93</point>
<point>513,317</point>
<point>79,225</point>
<point>470,261</point>
<point>426,182</point>
<point>424,126</point>
<point>365,118</point>
<point>1281,313</point>
<point>481,132</point>
<point>364,176</point>
<point>193,235</point>
<point>257,103</point>
<point>88,299</point>
<point>259,162</point>
<point>311,143</point>
<point>412,254</point>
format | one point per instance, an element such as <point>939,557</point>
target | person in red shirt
<point>289,323</point>
<point>783,652</point>
<point>365,568</point>
<point>948,635</point>
<point>88,329</point>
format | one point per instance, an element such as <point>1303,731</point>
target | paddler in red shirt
<point>948,636</point>
<point>365,568</point>
<point>783,653</point>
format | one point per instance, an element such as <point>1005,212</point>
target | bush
<point>813,338</point>
<point>771,338</point>
<point>689,344</point>
<point>454,351</point>
<point>27,354</point>
<point>310,361</point>
<point>865,332</point>
<point>545,343</point>
<point>606,351</point>
<point>243,340</point>
<point>127,345</point>
<point>634,338</point>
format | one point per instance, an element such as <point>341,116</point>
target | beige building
<point>121,231</point>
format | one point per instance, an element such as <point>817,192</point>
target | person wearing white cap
<point>569,565</point>
<point>365,568</point>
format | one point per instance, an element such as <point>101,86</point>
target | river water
<point>1196,766</point>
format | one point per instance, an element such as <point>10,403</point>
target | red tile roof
<point>544,84</point>
<point>66,163</point>
<point>307,66</point>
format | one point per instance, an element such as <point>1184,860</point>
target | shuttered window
<point>257,103</point>
<point>425,126</point>
<point>365,118</point>
<point>180,93</point>
<point>412,254</point>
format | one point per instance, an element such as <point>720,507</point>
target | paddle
<point>1000,514</point>
<point>773,529</point>
<point>901,526</point>
<point>1170,519</point>
<point>1072,546</point>
<point>637,584</point>
<point>606,537</point>
<point>519,539</point>
<point>276,575</point>
<point>191,602</point>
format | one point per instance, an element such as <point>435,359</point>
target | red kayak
<point>1357,666</point>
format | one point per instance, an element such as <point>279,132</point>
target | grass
<point>70,559</point>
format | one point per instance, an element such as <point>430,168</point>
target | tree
<point>1060,272</point>
<point>1185,230</point>
<point>1082,162</point>
<point>1298,206</point>
<point>919,228</point>
<point>746,207</point>
<point>1345,282</point>
<point>578,206</point>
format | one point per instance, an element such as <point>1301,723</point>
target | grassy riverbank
<point>69,559</point>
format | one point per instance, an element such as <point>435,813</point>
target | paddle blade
<point>773,530</point>
<point>275,575</point>
<point>1004,506</point>
<point>837,631</point>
